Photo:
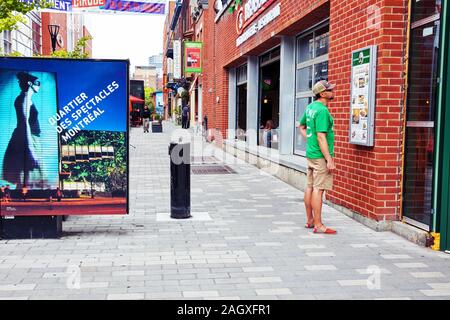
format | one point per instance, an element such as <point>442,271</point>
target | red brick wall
<point>53,18</point>
<point>368,178</point>
<point>221,51</point>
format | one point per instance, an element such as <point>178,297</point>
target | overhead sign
<point>177,59</point>
<point>258,25</point>
<point>64,141</point>
<point>193,57</point>
<point>141,6</point>
<point>362,103</point>
<point>60,5</point>
<point>108,6</point>
<point>87,3</point>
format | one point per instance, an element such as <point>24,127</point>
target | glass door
<point>420,117</point>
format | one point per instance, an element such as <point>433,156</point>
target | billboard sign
<point>64,142</point>
<point>193,57</point>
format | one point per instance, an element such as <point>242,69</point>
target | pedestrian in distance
<point>316,126</point>
<point>185,117</point>
<point>146,119</point>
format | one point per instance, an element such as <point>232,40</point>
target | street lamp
<point>54,30</point>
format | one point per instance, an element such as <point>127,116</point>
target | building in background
<point>71,29</point>
<point>157,62</point>
<point>183,26</point>
<point>26,40</point>
<point>33,37</point>
<point>148,74</point>
<point>169,89</point>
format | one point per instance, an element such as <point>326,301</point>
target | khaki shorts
<point>318,176</point>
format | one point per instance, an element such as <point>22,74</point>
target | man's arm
<point>323,144</point>
<point>302,129</point>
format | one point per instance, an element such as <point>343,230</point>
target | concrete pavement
<point>246,240</point>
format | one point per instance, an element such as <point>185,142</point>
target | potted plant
<point>156,124</point>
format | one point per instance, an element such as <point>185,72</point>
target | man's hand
<point>330,165</point>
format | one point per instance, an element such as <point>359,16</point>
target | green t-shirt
<point>317,118</point>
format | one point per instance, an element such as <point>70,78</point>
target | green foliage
<point>77,53</point>
<point>149,98</point>
<point>111,172</point>
<point>12,11</point>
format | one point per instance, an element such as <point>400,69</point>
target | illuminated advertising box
<point>64,141</point>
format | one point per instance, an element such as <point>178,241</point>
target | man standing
<point>146,119</point>
<point>185,117</point>
<point>316,126</point>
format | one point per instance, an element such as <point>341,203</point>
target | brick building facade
<point>260,62</point>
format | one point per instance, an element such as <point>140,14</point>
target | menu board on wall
<point>362,100</point>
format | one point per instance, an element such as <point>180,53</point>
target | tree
<point>12,11</point>
<point>148,93</point>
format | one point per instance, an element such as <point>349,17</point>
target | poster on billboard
<point>362,102</point>
<point>193,57</point>
<point>177,59</point>
<point>64,141</point>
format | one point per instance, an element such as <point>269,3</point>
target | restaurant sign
<point>247,15</point>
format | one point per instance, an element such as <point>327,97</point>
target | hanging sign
<point>177,59</point>
<point>141,6</point>
<point>193,57</point>
<point>362,100</point>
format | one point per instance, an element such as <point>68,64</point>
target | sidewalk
<point>246,240</point>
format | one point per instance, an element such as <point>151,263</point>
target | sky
<point>126,36</point>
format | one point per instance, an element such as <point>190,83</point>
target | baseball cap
<point>321,86</point>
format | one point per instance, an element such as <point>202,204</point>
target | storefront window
<point>241,102</point>
<point>312,66</point>
<point>300,106</point>
<point>304,79</point>
<point>421,108</point>
<point>269,105</point>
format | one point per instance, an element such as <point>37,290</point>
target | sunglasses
<point>36,83</point>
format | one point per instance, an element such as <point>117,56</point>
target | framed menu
<point>362,100</point>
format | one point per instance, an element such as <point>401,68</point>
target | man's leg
<point>316,202</point>
<point>308,206</point>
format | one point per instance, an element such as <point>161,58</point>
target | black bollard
<point>180,180</point>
